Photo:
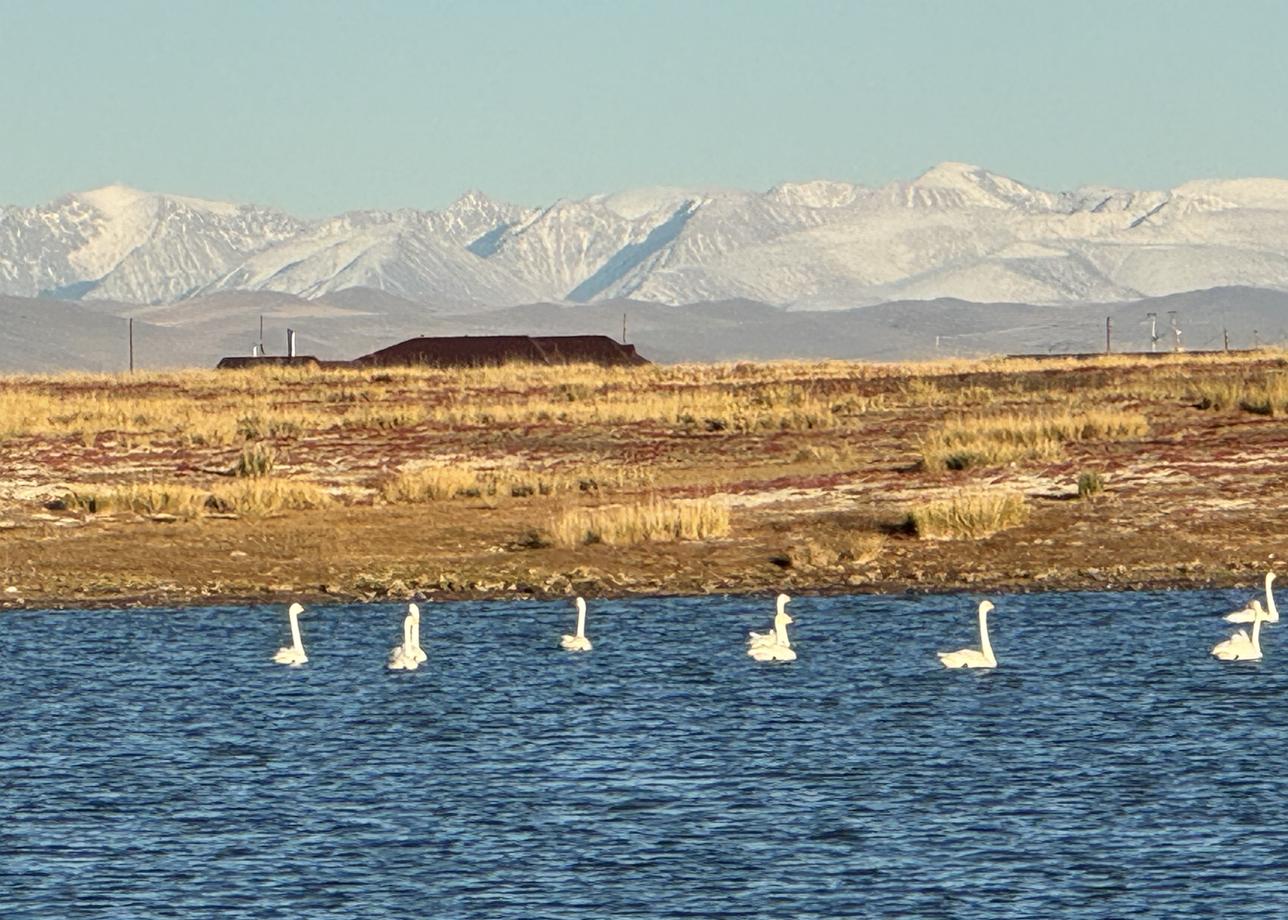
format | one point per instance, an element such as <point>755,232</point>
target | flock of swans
<point>775,645</point>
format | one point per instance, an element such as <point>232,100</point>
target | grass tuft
<point>1090,484</point>
<point>654,521</point>
<point>994,440</point>
<point>971,514</point>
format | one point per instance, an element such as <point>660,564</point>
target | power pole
<point>261,333</point>
<point>1153,331</point>
<point>623,328</point>
<point>1176,331</point>
<point>131,344</point>
<point>1109,333</point>
<point>1225,337</point>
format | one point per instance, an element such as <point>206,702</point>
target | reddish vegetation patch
<point>1200,500</point>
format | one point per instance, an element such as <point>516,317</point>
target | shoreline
<point>314,597</point>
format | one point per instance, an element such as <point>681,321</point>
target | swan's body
<point>403,657</point>
<point>578,641</point>
<point>1241,646</point>
<point>293,654</point>
<point>773,646</point>
<point>1253,612</point>
<point>982,657</point>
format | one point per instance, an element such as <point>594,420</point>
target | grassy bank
<point>748,476</point>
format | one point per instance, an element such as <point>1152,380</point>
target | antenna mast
<point>1153,331</point>
<point>1176,331</point>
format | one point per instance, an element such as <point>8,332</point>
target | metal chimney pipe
<point>290,343</point>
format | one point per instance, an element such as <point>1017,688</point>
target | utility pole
<point>1176,331</point>
<point>1225,337</point>
<point>131,344</point>
<point>623,328</point>
<point>1109,333</point>
<point>1153,331</point>
<point>261,333</point>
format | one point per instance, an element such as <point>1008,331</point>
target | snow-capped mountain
<point>955,231</point>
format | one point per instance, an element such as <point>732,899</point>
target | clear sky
<point>318,107</point>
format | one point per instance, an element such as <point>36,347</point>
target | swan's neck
<point>408,635</point>
<point>985,647</point>
<point>1270,602</point>
<point>296,641</point>
<point>581,622</point>
<point>415,631</point>
<point>1256,635</point>
<point>780,635</point>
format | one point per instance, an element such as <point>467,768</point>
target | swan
<point>771,638</point>
<point>578,642</point>
<point>1253,612</point>
<point>1241,646</point>
<point>403,657</point>
<point>418,653</point>
<point>773,646</point>
<point>293,654</point>
<point>1249,614</point>
<point>969,657</point>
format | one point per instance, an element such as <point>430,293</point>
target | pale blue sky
<point>317,107</point>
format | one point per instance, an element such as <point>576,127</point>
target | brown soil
<point>1199,502</point>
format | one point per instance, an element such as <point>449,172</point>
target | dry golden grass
<point>140,498</point>
<point>250,497</point>
<point>1261,394</point>
<point>440,483</point>
<point>646,522</point>
<point>993,440</point>
<point>255,460</point>
<point>970,513</point>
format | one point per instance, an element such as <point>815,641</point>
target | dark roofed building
<point>482,350</point>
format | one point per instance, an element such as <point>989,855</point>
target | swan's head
<point>414,610</point>
<point>985,606</point>
<point>1257,609</point>
<point>295,610</point>
<point>783,601</point>
<point>580,604</point>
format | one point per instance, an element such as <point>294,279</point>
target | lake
<point>157,764</point>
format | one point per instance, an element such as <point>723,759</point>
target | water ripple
<point>167,768</point>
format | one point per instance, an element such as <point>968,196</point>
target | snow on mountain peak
<point>819,193</point>
<point>633,204</point>
<point>115,199</point>
<point>950,174</point>
<point>957,230</point>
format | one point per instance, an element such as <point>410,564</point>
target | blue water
<point>156,764</point>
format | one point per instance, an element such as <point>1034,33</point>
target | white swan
<point>771,637</point>
<point>403,657</point>
<point>1241,646</point>
<point>1253,612</point>
<point>293,654</point>
<point>577,642</point>
<point>1249,614</point>
<point>418,653</point>
<point>969,657</point>
<point>775,646</point>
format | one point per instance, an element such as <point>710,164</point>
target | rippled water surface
<point>157,764</point>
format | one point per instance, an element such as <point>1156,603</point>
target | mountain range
<point>956,231</point>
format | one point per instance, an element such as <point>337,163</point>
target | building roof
<point>470,350</point>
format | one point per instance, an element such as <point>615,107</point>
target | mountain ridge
<point>956,230</point>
